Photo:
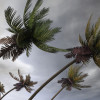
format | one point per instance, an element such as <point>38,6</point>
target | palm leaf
<point>41,14</point>
<point>97,25</point>
<point>11,50</point>
<point>91,42</point>
<point>6,40</point>
<point>71,72</point>
<point>78,86</point>
<point>26,12</point>
<point>81,41</point>
<point>47,48</point>
<point>20,76</point>
<point>41,28</point>
<point>43,33</point>
<point>96,59</point>
<point>49,34</point>
<point>28,49</point>
<point>87,31</point>
<point>14,77</point>
<point>14,23</point>
<point>33,13</point>
<point>97,46</point>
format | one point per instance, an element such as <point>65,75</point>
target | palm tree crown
<point>23,83</point>
<point>75,77</point>
<point>90,47</point>
<point>73,80</point>
<point>33,28</point>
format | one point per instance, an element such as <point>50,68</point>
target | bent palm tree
<point>73,79</point>
<point>33,28</point>
<point>90,48</point>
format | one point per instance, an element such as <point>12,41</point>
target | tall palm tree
<point>33,28</point>
<point>73,80</point>
<point>90,48</point>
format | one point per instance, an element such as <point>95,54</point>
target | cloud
<point>72,16</point>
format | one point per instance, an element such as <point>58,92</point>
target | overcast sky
<point>72,16</point>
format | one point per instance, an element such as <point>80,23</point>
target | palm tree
<point>22,83</point>
<point>33,28</point>
<point>90,48</point>
<point>74,78</point>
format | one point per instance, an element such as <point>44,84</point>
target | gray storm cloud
<point>72,16</point>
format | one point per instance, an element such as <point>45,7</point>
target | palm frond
<point>27,12</point>
<point>97,46</point>
<point>79,86</point>
<point>96,59</point>
<point>80,78</point>
<point>14,23</point>
<point>9,51</point>
<point>97,25</point>
<point>47,48</point>
<point>20,76</point>
<point>33,13</point>
<point>76,87</point>
<point>6,40</point>
<point>81,41</point>
<point>49,35</point>
<point>43,32</point>
<point>42,27</point>
<point>41,14</point>
<point>91,42</point>
<point>14,77</point>
<point>87,31</point>
<point>28,49</point>
<point>73,72</point>
<point>75,75</point>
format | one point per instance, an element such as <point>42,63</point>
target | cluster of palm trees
<point>34,28</point>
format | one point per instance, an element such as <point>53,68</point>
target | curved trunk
<point>57,93</point>
<point>50,79</point>
<point>7,93</point>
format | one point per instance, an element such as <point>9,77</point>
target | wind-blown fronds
<point>33,28</point>
<point>26,12</point>
<point>23,83</point>
<point>75,77</point>
<point>90,48</point>
<point>6,40</point>
<point>87,30</point>
<point>15,23</point>
<point>47,48</point>
<point>73,80</point>
<point>33,13</point>
<point>9,51</point>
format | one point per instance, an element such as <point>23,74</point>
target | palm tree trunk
<point>7,93</point>
<point>50,79</point>
<point>57,93</point>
